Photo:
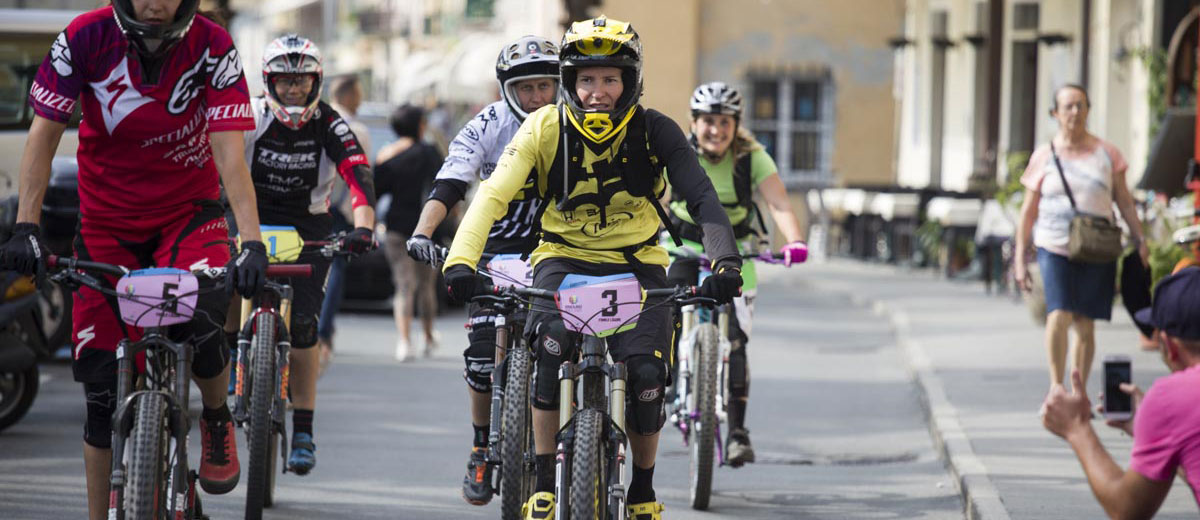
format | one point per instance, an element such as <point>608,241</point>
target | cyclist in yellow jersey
<point>737,165</point>
<point>598,157</point>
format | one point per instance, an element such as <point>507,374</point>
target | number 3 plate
<point>599,305</point>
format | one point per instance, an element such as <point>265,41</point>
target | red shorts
<point>193,237</point>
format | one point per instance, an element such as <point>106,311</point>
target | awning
<point>469,75</point>
<point>417,74</point>
<point>1169,154</point>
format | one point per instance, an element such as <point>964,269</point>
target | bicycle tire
<point>588,461</point>
<point>516,480</point>
<point>260,429</point>
<point>703,431</point>
<point>145,488</point>
<point>17,392</point>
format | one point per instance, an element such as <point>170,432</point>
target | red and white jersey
<point>143,145</point>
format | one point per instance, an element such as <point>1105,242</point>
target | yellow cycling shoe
<point>645,511</point>
<point>539,507</point>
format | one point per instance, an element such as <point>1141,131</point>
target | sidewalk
<point>981,363</point>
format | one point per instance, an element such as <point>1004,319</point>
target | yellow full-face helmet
<point>600,42</point>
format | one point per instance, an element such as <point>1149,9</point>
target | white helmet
<point>292,54</point>
<point>529,57</point>
<point>716,98</point>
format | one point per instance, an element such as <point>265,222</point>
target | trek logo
<point>222,112</point>
<point>84,337</point>
<point>268,155</point>
<point>226,70</point>
<point>60,55</point>
<point>44,97</point>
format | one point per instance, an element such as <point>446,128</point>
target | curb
<point>981,499</point>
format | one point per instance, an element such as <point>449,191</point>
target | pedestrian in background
<point>405,169</point>
<point>1077,293</point>
<point>1165,421</point>
<point>346,95</point>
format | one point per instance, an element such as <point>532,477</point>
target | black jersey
<point>294,170</point>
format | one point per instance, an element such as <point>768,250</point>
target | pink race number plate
<point>599,305</point>
<point>510,270</point>
<point>157,297</point>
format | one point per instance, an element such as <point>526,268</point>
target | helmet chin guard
<point>154,40</point>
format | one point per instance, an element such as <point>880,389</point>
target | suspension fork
<point>180,424</point>
<point>502,334</point>
<point>116,494</point>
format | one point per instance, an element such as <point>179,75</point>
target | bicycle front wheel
<point>703,409</point>
<point>516,479</point>
<point>145,489</point>
<point>588,472</point>
<point>261,429</point>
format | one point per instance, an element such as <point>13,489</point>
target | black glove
<point>724,285</point>
<point>247,272</point>
<point>25,252</point>
<point>462,283</point>
<point>424,250</point>
<point>358,241</point>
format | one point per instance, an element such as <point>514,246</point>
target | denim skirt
<point>1077,287</point>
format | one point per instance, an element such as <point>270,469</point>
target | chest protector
<point>632,169</point>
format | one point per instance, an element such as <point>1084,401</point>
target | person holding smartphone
<point>1164,422</point>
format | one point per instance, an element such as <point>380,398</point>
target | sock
<point>544,465</point>
<point>737,414</point>
<point>481,435</point>
<point>302,421</point>
<point>216,414</point>
<point>641,487</point>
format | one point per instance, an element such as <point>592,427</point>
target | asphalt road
<point>834,416</point>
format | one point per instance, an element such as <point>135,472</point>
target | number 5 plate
<point>157,297</point>
<point>599,305</point>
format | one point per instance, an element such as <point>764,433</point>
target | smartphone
<point>1118,405</point>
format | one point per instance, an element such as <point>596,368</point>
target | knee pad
<point>739,373</point>
<point>552,344</point>
<point>647,377</point>
<point>480,356</point>
<point>212,353</point>
<point>101,403</point>
<point>304,331</point>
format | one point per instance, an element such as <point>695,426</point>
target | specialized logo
<point>45,97</point>
<point>117,96</point>
<point>471,133</point>
<point>60,55</point>
<point>84,337</point>
<point>222,112</point>
<point>551,346</point>
<point>649,395</point>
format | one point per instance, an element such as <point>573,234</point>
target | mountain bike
<point>590,453</point>
<point>150,474</point>
<point>263,365</point>
<point>510,437</point>
<point>701,391</point>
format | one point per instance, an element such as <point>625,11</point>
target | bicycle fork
<point>494,434</point>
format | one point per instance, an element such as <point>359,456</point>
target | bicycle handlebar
<point>273,271</point>
<point>681,294</point>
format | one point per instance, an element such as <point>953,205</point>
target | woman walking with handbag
<point>1070,186</point>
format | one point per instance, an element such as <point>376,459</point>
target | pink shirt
<point>1090,175</point>
<point>1166,429</point>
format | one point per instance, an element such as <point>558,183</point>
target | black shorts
<point>652,333</point>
